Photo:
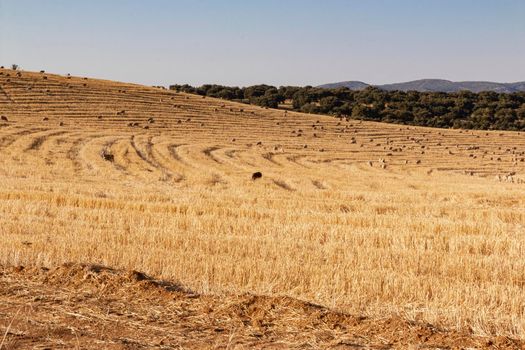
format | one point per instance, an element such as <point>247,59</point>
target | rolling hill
<point>129,219</point>
<point>435,85</point>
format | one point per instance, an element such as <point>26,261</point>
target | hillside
<point>435,85</point>
<point>358,233</point>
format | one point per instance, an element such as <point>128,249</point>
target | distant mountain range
<point>435,85</point>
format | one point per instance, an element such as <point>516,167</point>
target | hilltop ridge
<point>435,85</point>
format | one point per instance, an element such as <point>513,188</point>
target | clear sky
<point>278,42</point>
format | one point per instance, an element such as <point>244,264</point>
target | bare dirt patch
<point>94,307</point>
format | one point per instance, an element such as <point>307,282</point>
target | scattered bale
<point>256,175</point>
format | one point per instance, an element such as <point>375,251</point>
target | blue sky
<point>286,42</point>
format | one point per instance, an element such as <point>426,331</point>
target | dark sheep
<point>256,175</point>
<point>4,118</point>
<point>107,156</point>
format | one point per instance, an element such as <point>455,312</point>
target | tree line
<point>464,109</point>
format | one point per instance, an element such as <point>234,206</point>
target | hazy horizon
<point>238,43</point>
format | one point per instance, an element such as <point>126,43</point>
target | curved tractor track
<point>366,218</point>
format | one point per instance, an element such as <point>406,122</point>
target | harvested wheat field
<point>357,235</point>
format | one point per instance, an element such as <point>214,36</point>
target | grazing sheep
<point>4,118</point>
<point>256,175</point>
<point>45,119</point>
<point>107,156</point>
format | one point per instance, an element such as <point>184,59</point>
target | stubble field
<point>365,218</point>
